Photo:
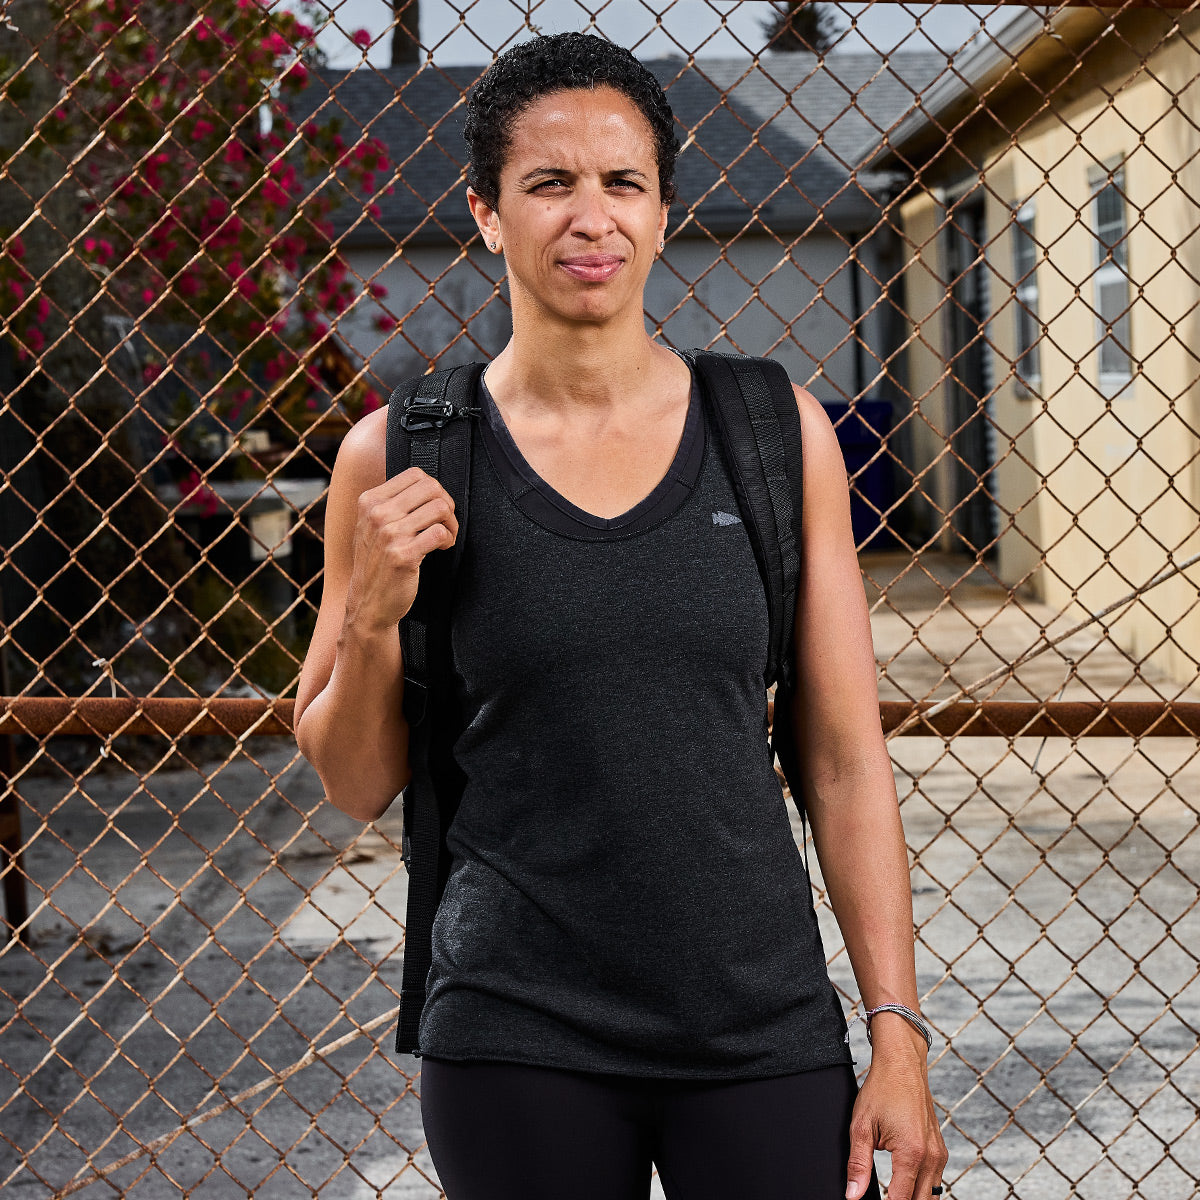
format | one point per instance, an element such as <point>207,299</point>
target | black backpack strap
<point>754,410</point>
<point>426,428</point>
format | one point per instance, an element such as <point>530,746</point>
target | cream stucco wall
<point>1106,485</point>
<point>924,291</point>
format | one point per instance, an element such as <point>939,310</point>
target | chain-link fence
<point>220,251</point>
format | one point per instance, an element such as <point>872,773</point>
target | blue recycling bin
<point>861,431</point>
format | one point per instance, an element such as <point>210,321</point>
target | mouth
<point>592,268</point>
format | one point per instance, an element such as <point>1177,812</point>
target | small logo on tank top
<point>724,518</point>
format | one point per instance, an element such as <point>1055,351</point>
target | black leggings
<point>505,1131</point>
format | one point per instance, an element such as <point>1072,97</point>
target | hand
<point>894,1112</point>
<point>398,523</point>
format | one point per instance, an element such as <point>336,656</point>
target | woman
<point>627,968</point>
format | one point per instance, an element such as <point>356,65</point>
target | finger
<point>930,1175</point>
<point>413,484</point>
<point>410,514</point>
<point>861,1160</point>
<point>421,490</point>
<point>905,1169</point>
<point>927,1180</point>
<point>436,537</point>
<point>437,511</point>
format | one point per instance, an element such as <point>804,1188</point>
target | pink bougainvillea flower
<point>378,291</point>
<point>201,129</point>
<point>371,401</point>
<point>385,322</point>
<point>43,309</point>
<point>362,38</point>
<point>246,286</point>
<point>147,295</point>
<point>296,74</point>
<point>17,289</point>
<point>34,339</point>
<point>151,371</point>
<point>196,493</point>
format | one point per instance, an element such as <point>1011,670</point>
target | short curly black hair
<point>556,63</point>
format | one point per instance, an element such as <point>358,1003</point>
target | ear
<point>486,217</point>
<point>662,222</point>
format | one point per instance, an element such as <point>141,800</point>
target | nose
<point>592,217</point>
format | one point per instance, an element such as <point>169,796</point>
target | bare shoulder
<point>822,453</point>
<point>362,456</point>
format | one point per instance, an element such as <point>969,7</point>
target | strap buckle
<point>420,413</point>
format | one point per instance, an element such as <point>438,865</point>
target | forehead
<point>573,126</point>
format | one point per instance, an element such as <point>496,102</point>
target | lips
<point>592,268</point>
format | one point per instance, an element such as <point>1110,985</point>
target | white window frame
<point>1025,297</point>
<point>1111,273</point>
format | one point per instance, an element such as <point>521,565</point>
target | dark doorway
<point>972,449</point>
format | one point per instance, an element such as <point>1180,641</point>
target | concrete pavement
<point>205,928</point>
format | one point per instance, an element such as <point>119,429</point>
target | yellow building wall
<point>1110,485</point>
<point>924,291</point>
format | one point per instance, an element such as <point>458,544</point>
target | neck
<point>602,365</point>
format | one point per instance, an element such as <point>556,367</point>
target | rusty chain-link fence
<point>219,251</point>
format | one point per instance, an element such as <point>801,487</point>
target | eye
<point>626,184</point>
<point>548,185</point>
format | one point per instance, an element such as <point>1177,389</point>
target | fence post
<point>16,901</point>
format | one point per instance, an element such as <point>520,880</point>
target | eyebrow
<point>631,172</point>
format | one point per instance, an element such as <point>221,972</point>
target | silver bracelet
<point>902,1010</point>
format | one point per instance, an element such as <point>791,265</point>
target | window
<point>1111,280</point>
<point>1025,257</point>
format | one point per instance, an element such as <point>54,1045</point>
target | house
<point>775,246</point>
<point>1052,290</point>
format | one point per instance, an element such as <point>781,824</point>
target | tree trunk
<point>406,33</point>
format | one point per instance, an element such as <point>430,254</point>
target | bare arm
<point>850,796</point>
<point>349,720</point>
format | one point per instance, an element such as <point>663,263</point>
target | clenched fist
<point>398,523</point>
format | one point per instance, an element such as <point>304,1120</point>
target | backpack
<point>752,408</point>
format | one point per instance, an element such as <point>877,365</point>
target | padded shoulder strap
<point>754,410</point>
<point>424,430</point>
<point>429,427</point>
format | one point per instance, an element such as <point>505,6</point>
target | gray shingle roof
<point>788,131</point>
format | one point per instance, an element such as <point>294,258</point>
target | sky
<point>713,28</point>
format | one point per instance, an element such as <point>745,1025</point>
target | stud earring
<point>491,245</point>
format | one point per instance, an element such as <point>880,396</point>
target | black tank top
<point>626,894</point>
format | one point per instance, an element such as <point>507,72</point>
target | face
<point>579,216</point>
